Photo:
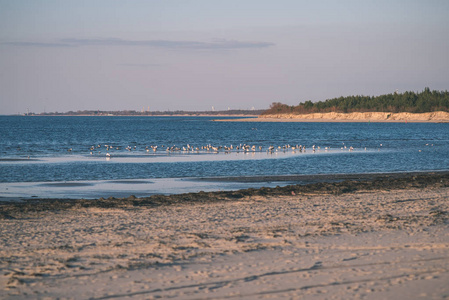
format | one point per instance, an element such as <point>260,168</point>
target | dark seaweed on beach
<point>9,210</point>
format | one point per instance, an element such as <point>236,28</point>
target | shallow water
<point>60,150</point>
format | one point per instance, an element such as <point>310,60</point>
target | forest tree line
<point>425,101</point>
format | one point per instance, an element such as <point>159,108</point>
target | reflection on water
<point>118,189</point>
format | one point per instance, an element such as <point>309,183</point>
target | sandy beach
<point>380,238</point>
<point>381,117</point>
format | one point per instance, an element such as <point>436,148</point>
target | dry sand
<point>381,239</point>
<point>432,117</point>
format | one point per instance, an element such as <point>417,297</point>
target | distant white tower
<point>213,108</point>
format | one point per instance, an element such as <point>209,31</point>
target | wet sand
<point>371,237</point>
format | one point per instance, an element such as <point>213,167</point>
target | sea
<point>110,156</point>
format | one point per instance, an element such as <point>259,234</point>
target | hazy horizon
<point>192,55</point>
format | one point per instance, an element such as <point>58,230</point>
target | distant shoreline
<point>162,115</point>
<point>133,113</point>
<point>381,117</point>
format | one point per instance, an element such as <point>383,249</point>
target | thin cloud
<point>36,44</point>
<point>166,44</point>
<point>222,44</point>
<point>141,65</point>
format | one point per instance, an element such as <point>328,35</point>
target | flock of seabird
<point>97,149</point>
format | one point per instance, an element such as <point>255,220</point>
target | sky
<point>167,55</point>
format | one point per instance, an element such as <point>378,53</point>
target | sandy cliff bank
<point>438,116</point>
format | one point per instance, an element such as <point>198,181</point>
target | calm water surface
<point>69,156</point>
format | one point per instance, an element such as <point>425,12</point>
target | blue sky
<point>192,55</point>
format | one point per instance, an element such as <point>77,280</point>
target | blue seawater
<point>61,149</point>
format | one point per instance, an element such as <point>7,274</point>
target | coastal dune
<point>438,116</point>
<point>370,239</point>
